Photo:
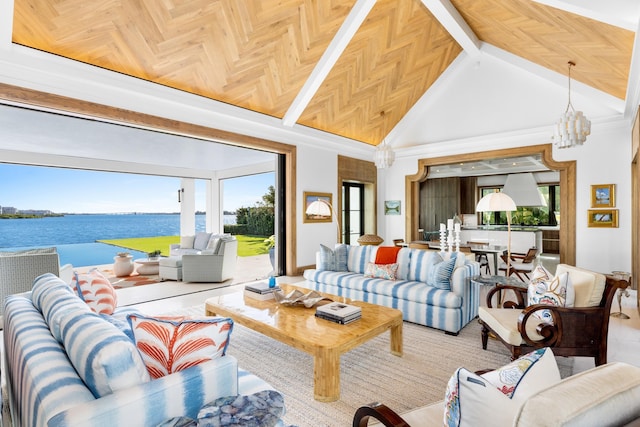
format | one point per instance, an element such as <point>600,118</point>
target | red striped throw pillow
<point>96,290</point>
<point>174,343</point>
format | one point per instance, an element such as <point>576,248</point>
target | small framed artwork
<point>321,215</point>
<point>603,196</point>
<point>603,218</point>
<point>392,207</point>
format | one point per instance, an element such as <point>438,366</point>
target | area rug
<point>134,279</point>
<point>369,373</point>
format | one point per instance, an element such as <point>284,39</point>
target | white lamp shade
<point>495,202</point>
<point>318,208</point>
<point>523,189</point>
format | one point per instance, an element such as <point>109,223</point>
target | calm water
<point>75,235</point>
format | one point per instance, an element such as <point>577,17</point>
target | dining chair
<point>520,265</point>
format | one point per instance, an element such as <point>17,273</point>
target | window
<point>533,216</point>
<point>352,211</point>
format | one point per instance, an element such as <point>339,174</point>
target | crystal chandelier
<point>384,155</point>
<point>573,127</point>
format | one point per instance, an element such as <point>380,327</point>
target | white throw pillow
<point>547,290</point>
<point>186,242</point>
<point>496,397</point>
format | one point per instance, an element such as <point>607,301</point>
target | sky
<point>79,191</point>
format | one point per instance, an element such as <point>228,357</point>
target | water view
<point>75,236</point>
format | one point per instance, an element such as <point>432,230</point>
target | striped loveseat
<point>67,366</point>
<point>431,288</point>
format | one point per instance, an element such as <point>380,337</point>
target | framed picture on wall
<point>325,216</point>
<point>392,207</point>
<point>603,218</point>
<point>603,196</point>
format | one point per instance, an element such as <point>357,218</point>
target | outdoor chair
<point>520,265</point>
<point>580,330</point>
<point>211,267</point>
<point>18,270</point>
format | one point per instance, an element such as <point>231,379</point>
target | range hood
<point>523,189</point>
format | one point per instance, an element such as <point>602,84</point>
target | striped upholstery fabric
<point>359,256</point>
<point>46,390</point>
<point>449,310</point>
<point>39,375</point>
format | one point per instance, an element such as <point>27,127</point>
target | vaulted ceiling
<point>354,68</point>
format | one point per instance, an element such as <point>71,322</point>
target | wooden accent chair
<point>576,331</point>
<point>520,265</point>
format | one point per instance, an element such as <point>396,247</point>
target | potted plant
<point>154,254</point>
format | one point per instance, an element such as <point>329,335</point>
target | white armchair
<point>211,267</point>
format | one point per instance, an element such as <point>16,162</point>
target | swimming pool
<point>84,254</point>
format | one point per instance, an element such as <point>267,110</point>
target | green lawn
<point>247,245</point>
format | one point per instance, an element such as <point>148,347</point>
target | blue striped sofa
<point>49,386</point>
<point>446,309</point>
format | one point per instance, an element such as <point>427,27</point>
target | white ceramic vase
<point>123,265</point>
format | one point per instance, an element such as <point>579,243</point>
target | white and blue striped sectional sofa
<point>447,304</point>
<point>67,366</point>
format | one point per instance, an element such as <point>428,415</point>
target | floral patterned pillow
<point>174,343</point>
<point>548,290</point>
<point>472,400</point>
<point>381,271</point>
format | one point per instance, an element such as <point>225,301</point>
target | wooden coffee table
<point>299,328</point>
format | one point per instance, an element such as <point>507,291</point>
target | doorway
<point>567,171</point>
<point>352,212</point>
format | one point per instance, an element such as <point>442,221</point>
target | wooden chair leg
<point>484,334</point>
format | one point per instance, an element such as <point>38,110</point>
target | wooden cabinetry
<point>551,241</point>
<point>441,198</point>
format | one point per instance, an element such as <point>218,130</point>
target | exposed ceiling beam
<point>339,43</point>
<point>632,96</point>
<point>455,25</point>
<point>603,14</point>
<point>6,24</point>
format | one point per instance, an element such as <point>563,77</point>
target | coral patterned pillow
<point>172,344</point>
<point>96,290</point>
<point>381,271</point>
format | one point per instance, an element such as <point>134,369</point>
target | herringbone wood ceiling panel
<point>551,37</point>
<point>255,54</point>
<point>397,54</point>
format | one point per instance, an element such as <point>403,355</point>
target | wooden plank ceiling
<point>258,54</point>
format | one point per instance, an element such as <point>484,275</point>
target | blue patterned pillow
<point>333,260</point>
<point>420,264</point>
<point>327,261</point>
<point>439,275</point>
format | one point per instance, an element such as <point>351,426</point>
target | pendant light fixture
<point>573,127</point>
<point>384,155</point>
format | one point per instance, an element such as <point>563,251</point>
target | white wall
<point>604,159</point>
<point>317,171</point>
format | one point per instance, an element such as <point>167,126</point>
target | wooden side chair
<point>580,330</point>
<point>520,265</point>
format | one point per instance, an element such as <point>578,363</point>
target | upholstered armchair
<point>211,266</point>
<point>577,330</point>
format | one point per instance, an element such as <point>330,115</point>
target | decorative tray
<point>298,298</point>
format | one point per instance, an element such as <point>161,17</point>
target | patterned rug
<point>134,279</point>
<point>369,373</point>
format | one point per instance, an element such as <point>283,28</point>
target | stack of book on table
<point>339,312</point>
<point>260,290</point>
